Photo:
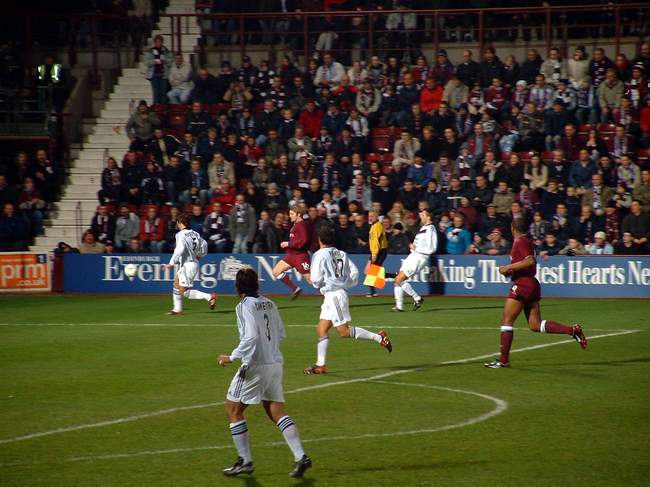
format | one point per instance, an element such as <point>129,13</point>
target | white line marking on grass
<point>499,407</point>
<point>233,326</point>
<point>137,417</point>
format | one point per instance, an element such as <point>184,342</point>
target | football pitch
<point>108,391</point>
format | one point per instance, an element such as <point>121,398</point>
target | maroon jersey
<point>299,237</point>
<point>521,248</point>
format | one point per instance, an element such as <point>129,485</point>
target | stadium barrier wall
<point>24,272</point>
<point>464,275</point>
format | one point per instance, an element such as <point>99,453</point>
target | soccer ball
<point>130,270</point>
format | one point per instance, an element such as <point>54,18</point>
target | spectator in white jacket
<point>405,149</point>
<point>600,246</point>
<point>180,80</point>
<point>578,67</point>
<point>330,73</point>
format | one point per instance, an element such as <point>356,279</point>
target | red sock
<point>549,326</point>
<point>286,280</point>
<point>506,342</point>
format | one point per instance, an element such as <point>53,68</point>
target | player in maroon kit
<point>297,256</point>
<point>525,295</point>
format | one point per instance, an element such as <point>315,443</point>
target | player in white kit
<point>332,273</point>
<point>424,244</point>
<point>259,379</point>
<point>190,247</point>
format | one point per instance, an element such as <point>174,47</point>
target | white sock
<point>321,350</point>
<point>408,289</point>
<point>194,294</point>
<point>291,436</point>
<point>542,327</point>
<point>280,276</point>
<point>362,334</point>
<point>239,432</point>
<point>399,297</point>
<point>177,300</point>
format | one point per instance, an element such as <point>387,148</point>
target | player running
<point>332,274</point>
<point>190,247</point>
<point>259,379</point>
<point>297,256</point>
<point>525,294</point>
<point>424,244</point>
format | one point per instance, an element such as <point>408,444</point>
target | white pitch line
<point>233,326</point>
<point>500,407</point>
<point>293,391</point>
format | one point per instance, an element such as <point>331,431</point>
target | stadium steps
<point>104,136</point>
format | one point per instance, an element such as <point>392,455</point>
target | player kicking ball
<point>190,247</point>
<point>259,379</point>
<point>525,295</point>
<point>332,273</point>
<point>424,244</point>
<point>297,248</point>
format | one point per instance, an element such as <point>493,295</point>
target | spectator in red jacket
<point>430,96</point>
<point>310,119</point>
<point>225,195</point>
<point>152,231</point>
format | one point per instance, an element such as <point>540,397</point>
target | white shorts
<point>257,383</point>
<point>414,263</point>
<point>336,308</point>
<point>187,273</point>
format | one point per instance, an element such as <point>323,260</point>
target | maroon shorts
<point>300,262</point>
<point>526,290</point>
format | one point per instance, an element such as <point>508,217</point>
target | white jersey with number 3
<point>332,270</point>
<point>188,245</point>
<point>260,332</point>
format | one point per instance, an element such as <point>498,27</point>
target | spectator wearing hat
<point>600,246</point>
<point>495,243</point>
<point>609,94</point>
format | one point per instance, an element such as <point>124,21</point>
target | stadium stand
<point>560,140</point>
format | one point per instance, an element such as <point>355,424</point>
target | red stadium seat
<point>218,108</point>
<point>606,129</point>
<point>585,128</point>
<point>165,211</point>
<point>188,208</point>
<point>547,155</point>
<point>144,209</point>
<point>373,157</point>
<point>160,108</point>
<point>133,208</point>
<point>176,120</point>
<point>380,144</point>
<point>178,108</point>
<point>382,132</point>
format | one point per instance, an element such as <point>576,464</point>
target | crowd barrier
<point>464,275</point>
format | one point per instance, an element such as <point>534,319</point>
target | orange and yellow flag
<point>375,277</point>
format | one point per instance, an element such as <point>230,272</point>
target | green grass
<point>574,418</point>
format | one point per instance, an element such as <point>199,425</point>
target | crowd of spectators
<point>28,187</point>
<point>560,143</point>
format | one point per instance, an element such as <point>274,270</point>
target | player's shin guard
<point>239,432</point>
<point>286,280</point>
<point>506,343</point>
<point>177,299</point>
<point>408,289</point>
<point>290,432</point>
<point>363,334</point>
<point>399,297</point>
<point>548,326</point>
<point>194,294</point>
<point>321,350</point>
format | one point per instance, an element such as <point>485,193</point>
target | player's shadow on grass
<point>252,482</point>
<point>610,363</point>
<point>386,468</point>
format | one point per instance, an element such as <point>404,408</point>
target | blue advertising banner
<point>463,275</point>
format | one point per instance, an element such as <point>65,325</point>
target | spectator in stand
<point>127,227</point>
<point>577,69</point>
<point>111,191</point>
<point>550,247</point>
<point>554,68</point>
<point>582,170</point>
<point>220,170</point>
<point>158,60</point>
<point>491,67</point>
<point>90,245</point>
<point>459,239</point>
<point>587,225</point>
<point>163,146</point>
<point>173,176</point>
<point>152,185</point>
<point>641,190</point>
<point>637,223</point>
<point>32,206</point>
<point>171,229</point>
<point>405,150</point>
<point>205,88</point>
<point>627,246</point>
<point>310,119</point>
<point>555,122</point>
<point>571,143</point>
<point>198,121</point>
<point>103,225</point>
<point>134,247</point>
<point>503,198</point>
<point>180,81</point>
<point>456,93</point>
<point>359,192</point>
<point>14,230</point>
<point>359,234</point>
<point>430,96</point>
<point>152,231</point>
<point>197,185</point>
<point>597,196</point>
<point>408,94</point>
<point>600,246</point>
<point>531,66</point>
<point>140,128</point>
<point>330,73</point>
<point>495,244</point>
<point>271,236</point>
<point>243,225</point>
<point>628,172</point>
<point>573,247</point>
<point>216,228</point>
<point>467,71</point>
<point>609,93</point>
